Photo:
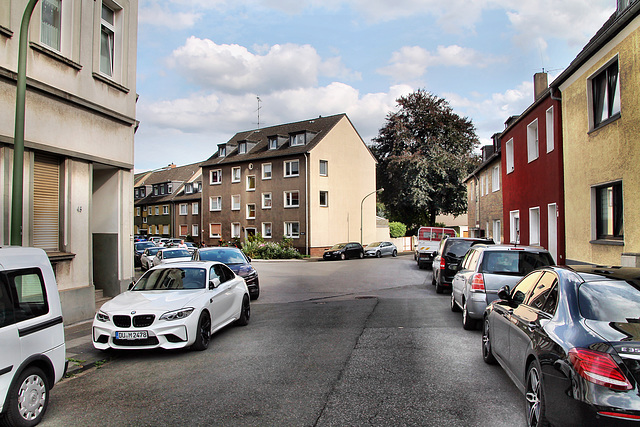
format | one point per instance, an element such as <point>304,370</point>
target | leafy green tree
<point>424,152</point>
<point>397,229</point>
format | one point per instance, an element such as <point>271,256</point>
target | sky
<point>203,64</point>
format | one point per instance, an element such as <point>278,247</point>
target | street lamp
<point>361,205</point>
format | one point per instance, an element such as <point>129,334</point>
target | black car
<point>344,251</point>
<point>569,338</point>
<point>236,260</point>
<point>138,249</point>
<point>448,257</point>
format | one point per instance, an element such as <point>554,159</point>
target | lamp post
<point>361,205</point>
<point>18,139</point>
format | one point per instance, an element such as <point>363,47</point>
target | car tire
<point>343,256</point>
<point>439,287</point>
<point>255,295</point>
<point>361,255</point>
<point>534,397</point>
<point>433,279</point>
<point>487,352</point>
<point>203,333</point>
<point>378,254</point>
<point>245,312</point>
<point>454,306</point>
<point>28,398</point>
<point>395,253</point>
<point>468,324</point>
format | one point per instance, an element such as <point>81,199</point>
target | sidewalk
<point>80,351</point>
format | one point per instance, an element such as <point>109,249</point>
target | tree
<point>424,152</point>
<point>397,229</point>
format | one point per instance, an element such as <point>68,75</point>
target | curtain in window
<point>50,28</point>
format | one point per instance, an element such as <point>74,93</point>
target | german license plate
<point>137,335</point>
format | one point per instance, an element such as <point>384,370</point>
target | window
<point>50,28</point>
<point>215,230</point>
<point>486,184</point>
<point>184,230</point>
<point>532,141</point>
<point>251,183</point>
<point>525,286</point>
<point>324,199</point>
<point>144,219</point>
<point>534,226</point>
<point>266,230</point>
<point>550,136</point>
<point>497,231</point>
<point>194,208</point>
<point>216,176</point>
<point>297,139</point>
<point>236,174</point>
<point>107,40</point>
<point>242,148</point>
<point>184,209</point>
<point>165,210</point>
<point>215,203</point>
<point>273,143</point>
<point>291,168</point>
<point>495,179</point>
<point>157,210</point>
<point>222,150</point>
<point>138,211</point>
<point>509,156</point>
<point>266,201</point>
<point>235,230</point>
<point>188,188</point>
<point>235,202</point>
<point>514,232</point>
<point>194,230</point>
<point>605,90</point>
<point>251,211</point>
<point>609,211</point>
<point>165,230</point>
<point>28,288</point>
<point>291,199</point>
<point>324,168</point>
<point>292,229</point>
<point>542,290</point>
<point>144,209</point>
<point>266,171</point>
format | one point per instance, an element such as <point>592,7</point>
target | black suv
<point>447,259</point>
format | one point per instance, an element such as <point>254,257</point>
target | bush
<point>397,229</point>
<point>259,249</point>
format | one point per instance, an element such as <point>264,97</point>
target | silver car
<point>487,268</point>
<point>379,249</point>
<point>169,255</point>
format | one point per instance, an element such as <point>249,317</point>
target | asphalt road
<point>342,343</point>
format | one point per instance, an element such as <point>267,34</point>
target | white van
<point>428,242</point>
<point>32,358</point>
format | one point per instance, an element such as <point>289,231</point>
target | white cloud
<point>161,16</point>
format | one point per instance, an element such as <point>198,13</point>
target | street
<point>359,342</point>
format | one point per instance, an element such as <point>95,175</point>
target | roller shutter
<point>46,203</point>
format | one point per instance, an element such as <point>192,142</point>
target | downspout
<point>306,204</point>
<point>18,140</point>
<point>553,97</point>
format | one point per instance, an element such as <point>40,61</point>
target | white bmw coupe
<point>173,306</point>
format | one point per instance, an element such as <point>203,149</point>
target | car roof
<point>591,273</point>
<point>187,264</point>
<point>219,248</point>
<point>485,247</point>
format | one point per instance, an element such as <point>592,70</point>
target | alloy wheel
<point>534,397</point>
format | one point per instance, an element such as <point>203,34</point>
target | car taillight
<point>598,368</point>
<point>443,264</point>
<point>477,283</point>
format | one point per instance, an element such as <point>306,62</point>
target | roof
<point>320,126</point>
<point>169,174</point>
<point>483,165</point>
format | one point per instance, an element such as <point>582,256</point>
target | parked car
<point>379,249</point>
<point>428,241</point>
<point>487,268</point>
<point>237,261</point>
<point>33,356</point>
<point>155,239</point>
<point>169,255</point>
<point>344,251</point>
<point>173,306</point>
<point>446,260</point>
<point>570,341</point>
<point>138,249</point>
<point>146,259</point>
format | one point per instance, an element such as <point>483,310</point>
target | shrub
<point>259,249</point>
<point>397,229</point>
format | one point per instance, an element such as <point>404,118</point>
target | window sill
<point>60,256</point>
<point>607,242</point>
<point>55,55</point>
<point>605,122</point>
<point>6,32</point>
<point>110,82</point>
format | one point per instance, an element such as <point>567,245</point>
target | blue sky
<point>202,63</point>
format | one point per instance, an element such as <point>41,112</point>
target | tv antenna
<point>258,110</point>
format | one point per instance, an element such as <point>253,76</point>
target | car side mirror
<point>505,293</point>
<point>130,286</point>
<point>214,283</point>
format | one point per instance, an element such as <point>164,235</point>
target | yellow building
<point>601,131</point>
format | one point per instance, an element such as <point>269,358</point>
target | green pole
<point>18,140</point>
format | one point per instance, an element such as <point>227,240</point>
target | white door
<point>552,222</point>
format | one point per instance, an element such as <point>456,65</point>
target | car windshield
<point>517,263</point>
<point>459,247</point>
<point>176,253</point>
<point>153,251</point>
<point>172,279</point>
<point>338,246</point>
<point>610,301</point>
<point>225,256</point>
<point>374,245</point>
<point>142,245</point>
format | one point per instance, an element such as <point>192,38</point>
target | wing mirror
<point>505,293</point>
<point>214,283</point>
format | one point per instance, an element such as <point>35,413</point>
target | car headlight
<point>177,314</point>
<point>102,316</point>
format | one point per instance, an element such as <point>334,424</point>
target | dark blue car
<point>236,260</point>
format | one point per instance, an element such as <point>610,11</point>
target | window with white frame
<point>50,27</point>
<point>137,211</point>
<point>157,210</point>
<point>605,94</point>
<point>184,230</point>
<point>291,199</point>
<point>251,183</point>
<point>235,230</point>
<point>266,171</point>
<point>222,150</point>
<point>266,230</point>
<point>486,183</point>
<point>550,131</point>
<point>273,143</point>
<point>514,229</point>
<point>532,141</point>
<point>495,178</point>
<point>297,139</point>
<point>165,230</point>
<point>144,219</point>
<point>236,174</point>
<point>215,230</point>
<point>242,148</point>
<point>534,226</point>
<point>291,168</point>
<point>107,40</point>
<point>165,210</point>
<point>184,209</point>
<point>292,229</point>
<point>267,201</point>
<point>509,160</point>
<point>215,176</point>
<point>482,178</point>
<point>194,208</point>
<point>251,211</point>
<point>609,213</point>
<point>497,231</point>
<point>324,199</point>
<point>215,203</point>
<point>324,168</point>
<point>188,188</point>
<point>194,230</point>
<point>235,202</point>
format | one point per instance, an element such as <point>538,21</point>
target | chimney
<point>540,84</point>
<point>171,166</point>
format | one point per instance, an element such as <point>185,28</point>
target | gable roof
<point>168,174</point>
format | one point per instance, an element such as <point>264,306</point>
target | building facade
<point>312,182</point>
<point>601,123</point>
<point>80,121</point>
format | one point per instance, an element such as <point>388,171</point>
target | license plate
<point>137,335</point>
